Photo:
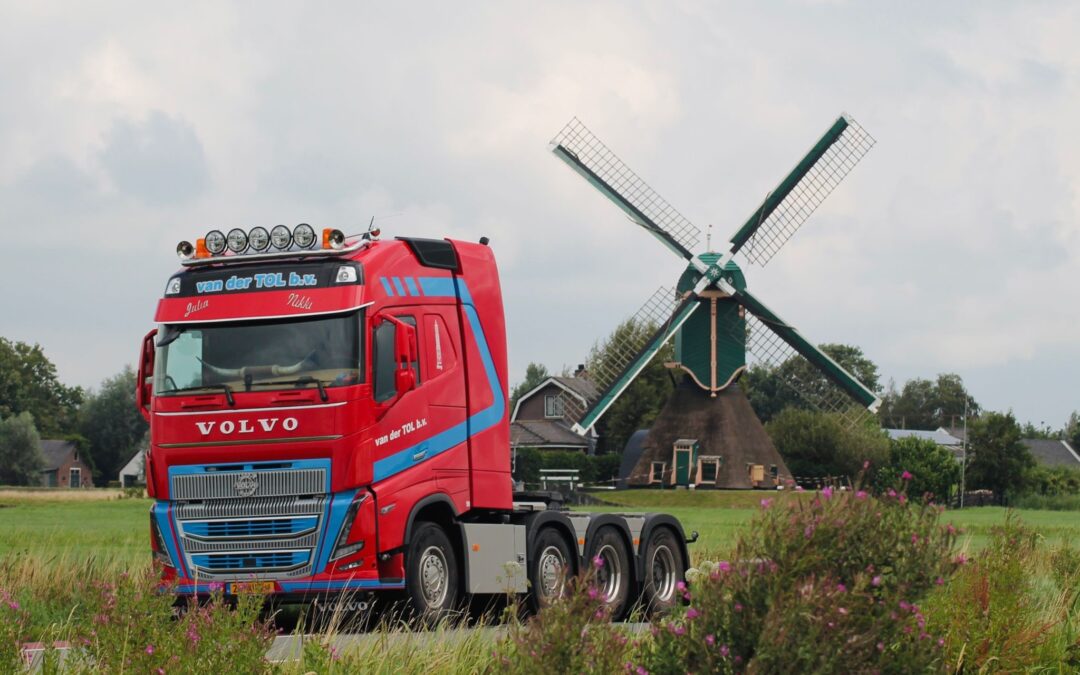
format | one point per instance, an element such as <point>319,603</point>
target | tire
<point>431,573</point>
<point>550,568</point>
<point>663,568</point>
<point>615,575</point>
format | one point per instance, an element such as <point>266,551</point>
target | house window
<point>708,469</point>
<point>75,477</point>
<point>553,406</point>
<point>656,472</point>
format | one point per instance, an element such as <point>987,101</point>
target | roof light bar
<point>257,243</point>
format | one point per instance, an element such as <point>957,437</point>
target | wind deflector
<point>437,253</point>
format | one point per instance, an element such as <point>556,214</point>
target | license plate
<point>253,587</point>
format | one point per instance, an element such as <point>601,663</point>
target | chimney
<point>581,372</point>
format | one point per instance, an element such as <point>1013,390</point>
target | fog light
<point>258,239</point>
<point>185,251</point>
<point>304,235</point>
<point>215,242</point>
<point>281,237</point>
<point>237,240</point>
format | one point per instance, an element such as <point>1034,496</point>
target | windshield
<point>254,355</point>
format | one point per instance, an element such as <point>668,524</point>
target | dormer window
<point>553,407</point>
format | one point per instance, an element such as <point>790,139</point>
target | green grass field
<point>115,532</point>
<point>718,516</point>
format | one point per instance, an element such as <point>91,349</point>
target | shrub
<point>991,614</point>
<point>592,468</point>
<point>933,469</point>
<point>823,444</point>
<point>826,584</point>
<point>573,635</point>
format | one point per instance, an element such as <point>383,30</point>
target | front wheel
<point>431,574</point>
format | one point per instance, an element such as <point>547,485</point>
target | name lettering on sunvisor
<point>223,282</point>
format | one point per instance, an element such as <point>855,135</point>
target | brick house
<point>64,467</point>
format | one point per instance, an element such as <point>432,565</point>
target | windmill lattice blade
<point>588,155</point>
<point>774,223</point>
<point>767,350</point>
<point>636,342</point>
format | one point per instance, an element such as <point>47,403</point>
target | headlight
<point>215,242</point>
<point>333,239</point>
<point>281,237</point>
<point>174,286</point>
<point>237,240</point>
<point>304,235</point>
<point>258,239</point>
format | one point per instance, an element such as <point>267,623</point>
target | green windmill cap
<point>732,273</point>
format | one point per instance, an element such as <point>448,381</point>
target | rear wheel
<point>550,569</point>
<point>431,574</point>
<point>664,569</point>
<point>610,562</point>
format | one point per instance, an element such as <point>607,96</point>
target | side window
<point>553,407</point>
<point>384,362</point>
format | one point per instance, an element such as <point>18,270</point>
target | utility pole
<point>963,462</point>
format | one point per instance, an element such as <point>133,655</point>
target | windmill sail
<point>772,343</point>
<point>649,330</point>
<point>587,155</point>
<point>797,196</point>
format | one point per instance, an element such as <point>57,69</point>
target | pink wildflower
<point>724,566</point>
<point>710,639</point>
<point>881,646</point>
<point>724,651</point>
<point>861,494</point>
<point>940,581</point>
<point>149,649</point>
<point>593,593</point>
<point>841,588</point>
<point>598,561</point>
<point>906,475</point>
<point>891,492</point>
<point>692,614</point>
<point>914,539</point>
<point>875,582</point>
<point>798,488</point>
<point>941,642</point>
<point>866,464</point>
<point>738,607</point>
<point>766,503</point>
<point>679,630</point>
<point>681,585</point>
<point>826,492</point>
<point>842,610</point>
<point>902,499</point>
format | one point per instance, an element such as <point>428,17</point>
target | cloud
<point>158,160</point>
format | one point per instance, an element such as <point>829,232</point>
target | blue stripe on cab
<point>386,286</point>
<point>397,286</point>
<point>411,283</point>
<point>481,421</point>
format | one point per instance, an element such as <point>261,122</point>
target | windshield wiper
<point>306,379</point>
<point>223,387</point>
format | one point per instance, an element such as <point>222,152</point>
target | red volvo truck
<point>329,415</point>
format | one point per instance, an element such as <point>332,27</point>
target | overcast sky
<point>953,247</point>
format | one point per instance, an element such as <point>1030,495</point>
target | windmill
<point>719,327</point>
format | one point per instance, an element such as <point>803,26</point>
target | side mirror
<point>144,388</point>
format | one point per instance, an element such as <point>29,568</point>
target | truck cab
<point>330,416</point>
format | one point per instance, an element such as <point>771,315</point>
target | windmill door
<point>685,457</point>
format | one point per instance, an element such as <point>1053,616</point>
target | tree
<point>642,401</point>
<point>1072,430</point>
<point>535,373</point>
<point>28,383</point>
<point>112,423</point>
<point>769,393</point>
<point>997,459</point>
<point>934,470</point>
<point>822,444</point>
<point>21,460</point>
<point>925,404</point>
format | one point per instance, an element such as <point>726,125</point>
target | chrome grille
<point>266,483</point>
<point>241,538</point>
